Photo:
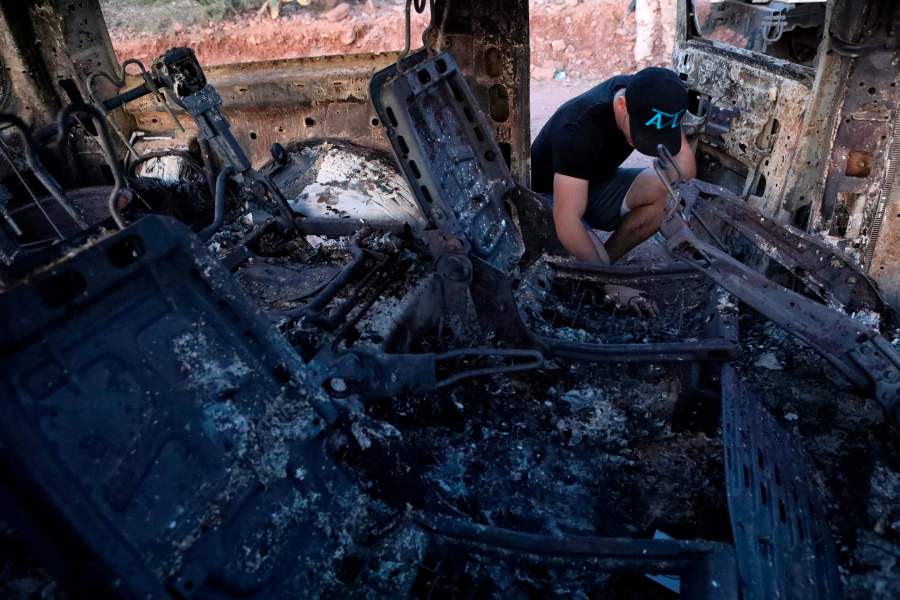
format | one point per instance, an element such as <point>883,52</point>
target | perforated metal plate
<point>157,433</point>
<point>448,153</point>
<point>784,548</point>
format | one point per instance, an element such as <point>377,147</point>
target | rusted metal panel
<point>859,164</point>
<point>793,171</point>
<point>490,43</point>
<point>804,182</point>
<point>28,95</point>
<point>857,203</point>
<point>772,98</point>
<point>868,104</point>
<point>884,265</point>
<point>303,99</point>
<point>327,97</point>
<point>50,47</point>
<point>285,101</point>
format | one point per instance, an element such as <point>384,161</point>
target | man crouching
<point>577,157</point>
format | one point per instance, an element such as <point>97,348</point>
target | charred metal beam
<point>713,349</point>
<point>861,354</point>
<point>707,568</point>
<point>371,373</point>
<point>578,269</point>
<point>826,271</point>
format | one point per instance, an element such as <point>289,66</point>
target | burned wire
<point>5,151</point>
<point>537,360</point>
<point>419,5</point>
<point>119,83</point>
<point>64,122</point>
<point>34,163</point>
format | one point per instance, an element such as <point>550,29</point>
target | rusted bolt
<point>457,268</point>
<point>454,244</point>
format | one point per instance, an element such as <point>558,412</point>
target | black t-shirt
<point>581,139</point>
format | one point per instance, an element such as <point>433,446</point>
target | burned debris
<point>330,375</point>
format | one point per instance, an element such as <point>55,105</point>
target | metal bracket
<point>370,373</point>
<point>826,271</point>
<point>711,122</point>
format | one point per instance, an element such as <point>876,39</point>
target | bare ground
<point>572,39</point>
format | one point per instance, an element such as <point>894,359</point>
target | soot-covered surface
<point>574,448</point>
<point>846,437</point>
<point>587,449</point>
<point>581,450</point>
<point>571,450</point>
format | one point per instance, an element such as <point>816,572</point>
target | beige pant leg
<point>645,12</point>
<point>668,10</point>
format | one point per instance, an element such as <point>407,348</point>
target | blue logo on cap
<point>662,119</point>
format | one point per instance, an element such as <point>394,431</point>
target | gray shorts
<point>604,208</point>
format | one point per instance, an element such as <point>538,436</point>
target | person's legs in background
<point>667,12</point>
<point>645,12</point>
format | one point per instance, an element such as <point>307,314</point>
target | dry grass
<point>162,15</point>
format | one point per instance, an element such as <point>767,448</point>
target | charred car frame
<point>213,387</point>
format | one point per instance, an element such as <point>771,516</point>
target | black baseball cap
<point>657,100</point>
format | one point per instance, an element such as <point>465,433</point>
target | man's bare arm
<point>570,197</point>
<point>685,160</point>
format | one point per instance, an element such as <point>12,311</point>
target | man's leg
<point>667,18</point>
<point>646,203</point>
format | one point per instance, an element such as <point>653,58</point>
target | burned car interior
<point>288,329</point>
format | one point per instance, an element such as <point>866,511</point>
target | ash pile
<point>429,405</point>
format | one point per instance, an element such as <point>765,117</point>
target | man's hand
<point>632,299</point>
<point>570,198</point>
<point>685,160</point>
